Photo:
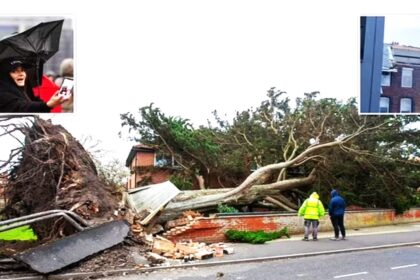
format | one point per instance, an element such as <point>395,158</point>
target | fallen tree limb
<point>187,200</point>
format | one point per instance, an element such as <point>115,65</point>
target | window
<point>386,79</point>
<point>407,78</point>
<point>384,105</point>
<point>162,160</point>
<point>405,105</point>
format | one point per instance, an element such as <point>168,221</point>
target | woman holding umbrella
<point>16,95</point>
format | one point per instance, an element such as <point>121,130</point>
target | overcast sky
<point>404,29</point>
<point>192,57</point>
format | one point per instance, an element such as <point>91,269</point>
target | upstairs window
<point>407,78</point>
<point>384,105</point>
<point>162,160</point>
<point>405,105</point>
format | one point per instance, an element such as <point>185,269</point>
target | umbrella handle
<point>37,76</point>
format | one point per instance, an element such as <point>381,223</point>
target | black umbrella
<point>35,45</point>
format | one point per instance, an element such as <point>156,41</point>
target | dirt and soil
<point>56,172</point>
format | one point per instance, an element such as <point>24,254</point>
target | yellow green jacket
<point>312,208</point>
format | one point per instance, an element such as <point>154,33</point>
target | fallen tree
<point>275,153</point>
<point>250,191</point>
<point>53,171</point>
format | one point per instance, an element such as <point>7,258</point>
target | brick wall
<point>144,159</point>
<point>212,229</point>
<point>154,177</point>
<point>395,92</point>
<point>160,176</point>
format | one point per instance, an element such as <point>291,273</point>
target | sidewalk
<point>408,227</point>
<point>357,240</point>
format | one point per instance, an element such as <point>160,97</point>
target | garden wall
<point>212,229</point>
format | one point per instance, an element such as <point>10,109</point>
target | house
<point>148,166</point>
<point>400,79</point>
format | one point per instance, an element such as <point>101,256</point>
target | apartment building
<point>400,83</point>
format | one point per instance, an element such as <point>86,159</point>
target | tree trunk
<point>210,198</point>
<point>200,180</point>
<point>279,203</point>
<point>249,186</point>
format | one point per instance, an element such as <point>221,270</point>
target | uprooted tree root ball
<point>54,171</point>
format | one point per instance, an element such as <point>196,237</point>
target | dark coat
<point>14,100</point>
<point>337,205</point>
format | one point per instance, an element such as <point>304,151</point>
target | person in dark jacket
<point>16,95</point>
<point>336,209</point>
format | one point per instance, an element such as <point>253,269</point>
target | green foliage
<point>23,233</point>
<point>181,183</point>
<point>194,149</point>
<point>222,208</point>
<point>255,237</point>
<point>370,170</point>
<point>417,199</point>
<point>403,203</point>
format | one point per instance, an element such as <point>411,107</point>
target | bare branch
<point>271,121</point>
<point>321,130</point>
<point>246,139</point>
<point>309,159</point>
<point>279,203</point>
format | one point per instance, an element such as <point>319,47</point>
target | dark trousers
<point>338,224</point>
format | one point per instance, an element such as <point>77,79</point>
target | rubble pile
<point>162,249</point>
<point>183,223</point>
<point>55,172</point>
<point>146,249</point>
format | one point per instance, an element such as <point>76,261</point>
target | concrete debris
<point>188,250</point>
<point>191,214</point>
<point>162,246</point>
<point>187,218</point>
<point>185,251</point>
<point>156,229</point>
<point>155,259</point>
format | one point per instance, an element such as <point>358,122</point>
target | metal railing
<point>74,219</point>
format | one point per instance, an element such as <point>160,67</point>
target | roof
<point>151,198</point>
<point>138,148</point>
<point>403,47</point>
<point>406,55</point>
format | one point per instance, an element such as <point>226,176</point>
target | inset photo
<point>36,65</point>
<point>390,64</point>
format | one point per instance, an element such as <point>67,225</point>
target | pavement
<point>363,239</point>
<point>356,240</point>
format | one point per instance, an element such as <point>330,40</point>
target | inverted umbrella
<point>35,45</point>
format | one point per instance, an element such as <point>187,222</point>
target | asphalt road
<point>395,263</point>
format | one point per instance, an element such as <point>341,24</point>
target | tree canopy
<point>365,157</point>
